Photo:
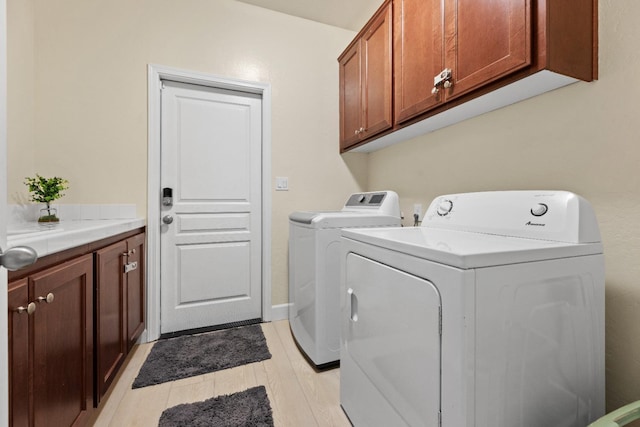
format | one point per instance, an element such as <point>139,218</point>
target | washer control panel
<point>380,202</point>
<point>366,199</point>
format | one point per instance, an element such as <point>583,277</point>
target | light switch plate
<point>282,183</point>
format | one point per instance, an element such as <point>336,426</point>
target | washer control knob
<point>444,207</point>
<point>539,209</point>
<point>361,198</point>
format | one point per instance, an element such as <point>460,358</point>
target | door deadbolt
<point>167,196</point>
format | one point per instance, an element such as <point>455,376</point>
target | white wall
<point>584,138</point>
<point>89,80</point>
<point>20,96</point>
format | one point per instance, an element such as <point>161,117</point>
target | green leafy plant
<point>46,190</point>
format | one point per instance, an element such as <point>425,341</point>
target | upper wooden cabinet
<point>494,52</point>
<point>479,42</point>
<point>365,81</point>
<point>418,55</point>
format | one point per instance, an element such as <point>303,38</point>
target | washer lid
<point>342,219</point>
<point>466,250</point>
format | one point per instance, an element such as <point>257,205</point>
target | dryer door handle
<point>353,301</point>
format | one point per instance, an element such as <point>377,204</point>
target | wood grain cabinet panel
<point>111,343</point>
<point>418,55</point>
<point>480,42</point>
<point>350,96</point>
<point>136,300</point>
<point>19,320</point>
<point>52,384</point>
<point>366,81</point>
<point>484,41</point>
<point>119,306</point>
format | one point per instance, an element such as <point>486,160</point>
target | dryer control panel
<point>549,215</point>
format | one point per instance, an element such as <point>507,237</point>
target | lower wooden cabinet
<point>19,320</point>
<point>119,306</point>
<point>136,301</point>
<point>111,346</point>
<point>51,346</point>
<point>73,318</point>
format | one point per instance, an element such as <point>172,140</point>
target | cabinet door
<point>62,343</point>
<point>135,290</point>
<point>376,91</point>
<point>485,40</point>
<point>418,56</point>
<point>111,346</point>
<point>18,354</point>
<point>350,96</point>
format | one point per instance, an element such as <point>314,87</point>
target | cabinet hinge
<point>440,320</point>
<point>130,266</point>
<point>442,77</point>
<point>439,418</point>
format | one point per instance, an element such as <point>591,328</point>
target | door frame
<point>157,73</point>
<point>4,346</point>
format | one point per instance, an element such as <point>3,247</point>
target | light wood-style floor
<point>299,396</point>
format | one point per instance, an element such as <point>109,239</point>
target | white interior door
<point>211,233</point>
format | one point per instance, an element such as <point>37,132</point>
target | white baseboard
<point>279,312</point>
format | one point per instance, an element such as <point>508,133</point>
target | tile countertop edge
<point>73,234</point>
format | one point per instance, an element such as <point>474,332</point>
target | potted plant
<point>46,190</point>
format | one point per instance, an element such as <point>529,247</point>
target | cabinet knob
<point>448,84</point>
<point>356,132</point>
<point>129,253</point>
<point>29,309</point>
<point>48,299</point>
<point>435,90</point>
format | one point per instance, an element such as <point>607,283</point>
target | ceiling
<point>348,14</point>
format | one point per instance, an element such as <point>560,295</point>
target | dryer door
<point>390,360</point>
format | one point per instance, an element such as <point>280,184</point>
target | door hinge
<point>162,86</point>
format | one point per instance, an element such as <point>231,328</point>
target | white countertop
<point>47,240</point>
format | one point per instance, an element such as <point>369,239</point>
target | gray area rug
<point>249,408</point>
<point>187,356</point>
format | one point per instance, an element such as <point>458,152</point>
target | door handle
<point>167,219</point>
<point>353,302</point>
<point>18,257</point>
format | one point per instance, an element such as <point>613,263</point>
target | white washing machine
<point>314,269</point>
<point>491,314</point>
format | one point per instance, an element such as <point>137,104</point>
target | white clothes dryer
<point>314,269</point>
<point>491,314</point>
